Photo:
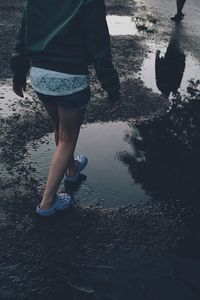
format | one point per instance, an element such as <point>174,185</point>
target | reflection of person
<point>170,68</point>
<point>59,39</point>
<point>179,15</point>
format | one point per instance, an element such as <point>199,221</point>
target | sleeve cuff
<point>20,66</point>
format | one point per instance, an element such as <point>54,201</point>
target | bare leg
<point>180,5</point>
<point>52,109</point>
<point>70,121</point>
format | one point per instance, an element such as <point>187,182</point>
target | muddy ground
<point>128,252</point>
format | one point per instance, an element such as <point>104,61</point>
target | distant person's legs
<point>180,5</point>
<point>179,15</point>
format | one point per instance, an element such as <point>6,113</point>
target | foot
<point>73,169</point>
<point>46,204</point>
<point>81,163</point>
<point>178,17</point>
<point>60,202</point>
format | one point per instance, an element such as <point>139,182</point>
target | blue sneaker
<point>82,163</point>
<point>61,202</point>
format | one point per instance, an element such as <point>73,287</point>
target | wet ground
<point>133,231</point>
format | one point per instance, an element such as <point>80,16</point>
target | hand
<point>114,107</point>
<point>19,88</point>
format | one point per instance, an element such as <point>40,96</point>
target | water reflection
<point>166,157</point>
<point>105,174</point>
<point>121,25</point>
<point>170,67</point>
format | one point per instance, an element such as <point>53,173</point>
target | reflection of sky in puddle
<point>148,76</point>
<point>121,25</point>
<point>108,180</point>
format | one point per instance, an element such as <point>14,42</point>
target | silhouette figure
<point>170,67</point>
<point>179,15</point>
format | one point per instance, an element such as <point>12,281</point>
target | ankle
<point>72,168</point>
<point>46,201</point>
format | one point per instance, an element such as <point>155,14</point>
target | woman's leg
<point>52,109</point>
<point>180,5</point>
<point>70,121</point>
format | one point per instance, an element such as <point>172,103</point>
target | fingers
<point>18,89</point>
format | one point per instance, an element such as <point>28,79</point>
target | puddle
<point>171,147</point>
<point>128,25</point>
<point>121,25</point>
<point>106,180</point>
<point>171,74</point>
<point>158,161</point>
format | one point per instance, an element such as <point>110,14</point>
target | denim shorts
<point>76,100</point>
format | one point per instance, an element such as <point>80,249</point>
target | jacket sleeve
<point>20,63</point>
<point>97,41</point>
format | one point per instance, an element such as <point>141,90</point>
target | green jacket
<point>66,36</point>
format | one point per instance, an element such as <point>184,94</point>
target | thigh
<point>69,105</point>
<point>51,107</point>
<point>70,120</point>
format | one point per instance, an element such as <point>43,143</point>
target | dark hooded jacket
<point>65,36</point>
